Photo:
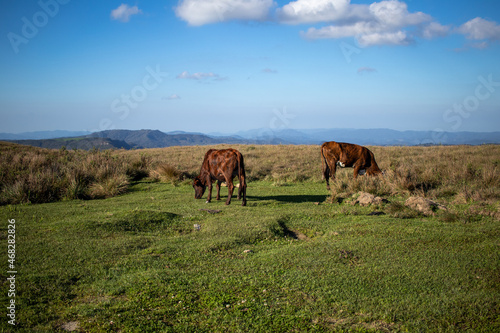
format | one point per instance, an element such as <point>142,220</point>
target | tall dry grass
<point>32,175</point>
<point>458,174</point>
<point>455,173</point>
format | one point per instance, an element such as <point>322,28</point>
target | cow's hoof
<point>207,201</point>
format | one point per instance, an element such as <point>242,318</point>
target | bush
<point>166,173</point>
<point>32,175</point>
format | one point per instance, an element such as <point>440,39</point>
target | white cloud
<point>312,11</point>
<point>479,29</point>
<point>386,22</point>
<point>380,23</point>
<point>385,38</point>
<point>201,76</point>
<point>172,97</point>
<point>395,14</point>
<point>196,76</point>
<point>362,70</point>
<point>124,12</point>
<point>433,30</point>
<point>200,12</point>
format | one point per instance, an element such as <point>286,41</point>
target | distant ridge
<point>146,138</point>
<point>75,143</point>
<point>41,135</point>
<point>157,139</point>
<point>137,139</point>
<point>377,137</point>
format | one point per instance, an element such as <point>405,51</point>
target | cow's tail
<point>374,169</point>
<point>242,189</point>
<point>324,164</point>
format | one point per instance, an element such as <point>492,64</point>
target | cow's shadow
<point>289,198</point>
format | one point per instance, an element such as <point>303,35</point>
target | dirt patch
<point>348,257</point>
<point>71,326</point>
<point>300,236</point>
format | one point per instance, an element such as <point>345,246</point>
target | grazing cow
<point>221,166</point>
<point>347,155</point>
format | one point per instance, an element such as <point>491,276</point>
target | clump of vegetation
<point>455,174</point>
<point>33,175</point>
<point>166,173</point>
<point>460,174</point>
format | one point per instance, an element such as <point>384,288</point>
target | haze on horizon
<point>234,65</point>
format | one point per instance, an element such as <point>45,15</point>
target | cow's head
<point>199,188</point>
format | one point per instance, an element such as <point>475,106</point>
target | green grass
<point>135,263</point>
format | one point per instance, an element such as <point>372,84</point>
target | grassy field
<point>298,258</point>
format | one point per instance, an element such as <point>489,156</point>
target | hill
<point>146,138</point>
<point>41,135</point>
<point>76,143</point>
<point>157,139</point>
<point>377,137</point>
<point>130,139</point>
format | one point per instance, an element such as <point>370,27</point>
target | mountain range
<point>137,139</point>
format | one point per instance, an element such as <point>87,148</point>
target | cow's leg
<point>244,201</point>
<point>209,198</point>
<point>326,174</point>
<point>230,188</point>
<point>356,170</point>
<point>242,190</point>
<point>218,190</point>
<point>332,169</point>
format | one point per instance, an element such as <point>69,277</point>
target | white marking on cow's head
<point>340,164</point>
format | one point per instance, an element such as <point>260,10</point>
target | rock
<point>423,205</point>
<point>248,251</point>
<point>367,199</point>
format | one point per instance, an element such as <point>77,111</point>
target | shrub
<point>32,175</point>
<point>109,187</point>
<point>166,173</point>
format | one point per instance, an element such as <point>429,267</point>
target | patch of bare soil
<point>71,326</point>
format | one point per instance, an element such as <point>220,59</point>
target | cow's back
<point>221,159</point>
<point>331,150</point>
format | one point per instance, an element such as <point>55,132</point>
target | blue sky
<point>231,65</point>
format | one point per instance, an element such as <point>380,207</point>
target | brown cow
<point>347,155</point>
<point>221,166</point>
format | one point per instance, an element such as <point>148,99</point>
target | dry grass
<point>455,174</point>
<point>166,173</point>
<point>460,174</point>
<point>32,175</point>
